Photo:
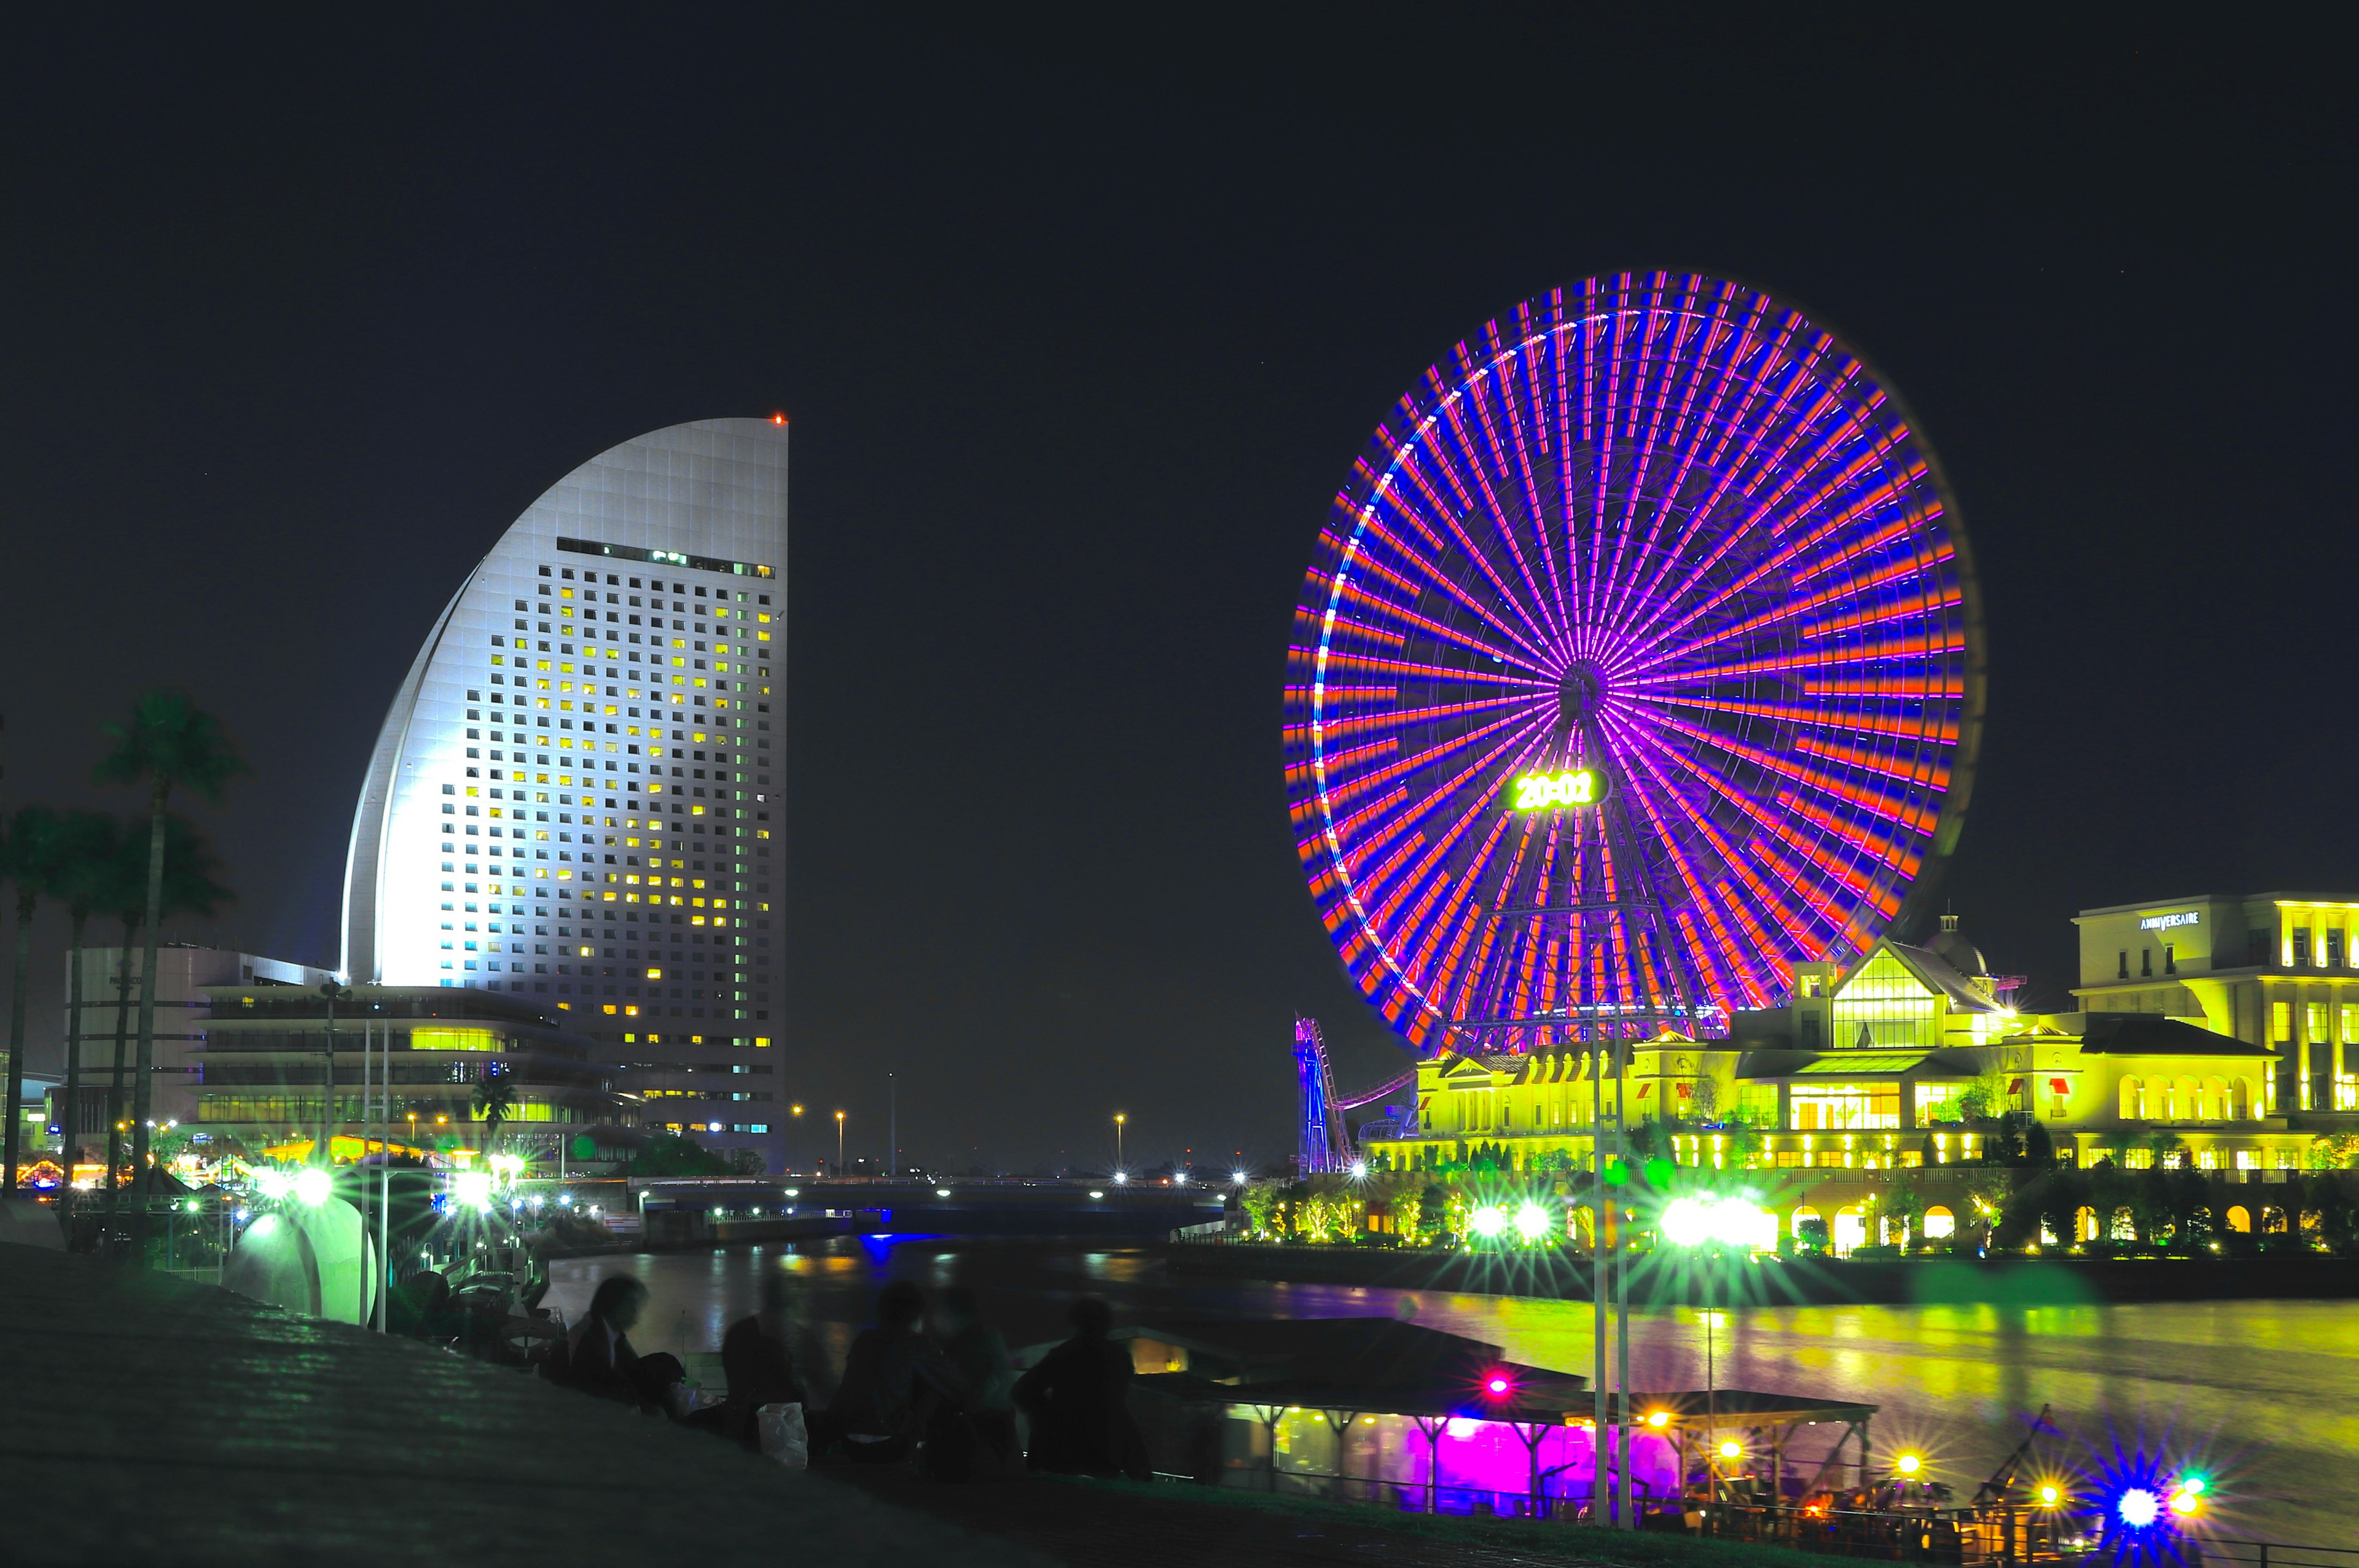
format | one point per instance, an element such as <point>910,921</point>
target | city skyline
<point>1078,343</point>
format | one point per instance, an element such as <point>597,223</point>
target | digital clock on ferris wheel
<point>1572,790</point>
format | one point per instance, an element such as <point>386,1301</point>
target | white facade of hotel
<point>577,793</point>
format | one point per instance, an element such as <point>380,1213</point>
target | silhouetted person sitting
<point>598,1358</point>
<point>1077,1399</point>
<point>873,1415</point>
<point>972,1431</point>
<point>760,1372</point>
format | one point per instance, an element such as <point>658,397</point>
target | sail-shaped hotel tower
<point>577,795</point>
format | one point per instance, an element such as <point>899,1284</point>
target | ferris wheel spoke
<point>1699,890</point>
<point>1903,811</point>
<point>1757,418</point>
<point>1506,453</point>
<point>1381,885</point>
<point>1463,466</point>
<point>1344,587</point>
<point>1516,640</point>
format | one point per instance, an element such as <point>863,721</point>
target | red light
<point>1497,1386</point>
<point>778,419</point>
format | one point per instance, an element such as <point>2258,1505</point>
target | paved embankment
<point>148,1419</point>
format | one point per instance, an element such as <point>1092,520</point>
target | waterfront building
<point>576,799</point>
<point>2278,970</point>
<point>262,1068</point>
<point>1910,1057</point>
<point>183,1011</point>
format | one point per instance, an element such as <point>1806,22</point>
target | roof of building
<point>2151,1034</point>
<point>1938,973</point>
<point>1864,1062</point>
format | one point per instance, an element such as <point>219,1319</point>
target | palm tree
<point>190,888</point>
<point>494,1098</point>
<point>29,857</point>
<point>92,846</point>
<point>166,742</point>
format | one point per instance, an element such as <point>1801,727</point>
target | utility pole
<point>892,1125</point>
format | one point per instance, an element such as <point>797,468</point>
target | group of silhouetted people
<point>944,1394</point>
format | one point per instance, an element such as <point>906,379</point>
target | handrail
<point>2278,1553</point>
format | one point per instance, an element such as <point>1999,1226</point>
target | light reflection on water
<point>2262,1395</point>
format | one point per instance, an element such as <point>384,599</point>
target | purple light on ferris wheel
<point>1673,504</point>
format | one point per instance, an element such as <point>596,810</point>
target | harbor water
<point>2261,1396</point>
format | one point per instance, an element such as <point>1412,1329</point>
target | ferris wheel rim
<point>1554,316</point>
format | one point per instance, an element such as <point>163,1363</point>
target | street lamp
<point>839,1143</point>
<point>1118,1140</point>
<point>334,993</point>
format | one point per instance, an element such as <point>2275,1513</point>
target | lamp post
<point>1117,1142</point>
<point>796,1112</point>
<point>839,1143</point>
<point>334,993</point>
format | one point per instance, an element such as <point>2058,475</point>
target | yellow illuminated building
<point>1911,1055</point>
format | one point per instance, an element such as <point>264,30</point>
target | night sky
<point>1079,326</point>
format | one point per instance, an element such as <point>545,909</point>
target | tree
<point>189,889</point>
<point>494,1098</point>
<point>93,844</point>
<point>1903,1203</point>
<point>29,857</point>
<point>166,742</point>
<point>1705,1098</point>
<point>2063,1195</point>
<point>1409,1208</point>
<point>669,1155</point>
<point>2038,1145</point>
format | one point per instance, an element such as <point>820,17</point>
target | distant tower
<point>578,791</point>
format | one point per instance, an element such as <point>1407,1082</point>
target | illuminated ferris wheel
<point>1640,659</point>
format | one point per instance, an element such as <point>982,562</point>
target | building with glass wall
<point>576,799</point>
<point>264,1066</point>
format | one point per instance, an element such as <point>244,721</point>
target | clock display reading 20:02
<point>1571,789</point>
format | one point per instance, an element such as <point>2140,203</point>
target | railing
<point>2277,1554</point>
<point>189,1236</point>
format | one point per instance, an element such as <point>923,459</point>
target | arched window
<point>2216,1099</point>
<point>1850,1231</point>
<point>1939,1224</point>
<point>2186,1096</point>
<point>2133,1100</point>
<point>2084,1225</point>
<point>2240,1219</point>
<point>2124,1226</point>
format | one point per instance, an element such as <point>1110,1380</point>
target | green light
<point>1489,1221</point>
<point>1532,1222</point>
<point>1617,1173</point>
<point>1573,788</point>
